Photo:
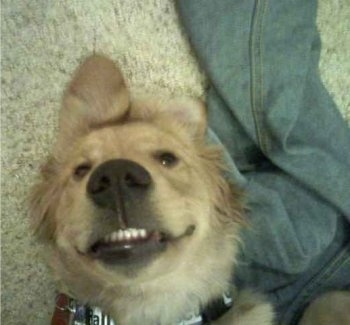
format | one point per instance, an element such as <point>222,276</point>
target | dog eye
<point>81,170</point>
<point>166,158</point>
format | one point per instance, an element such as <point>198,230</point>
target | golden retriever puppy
<point>135,209</point>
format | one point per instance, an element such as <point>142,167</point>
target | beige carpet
<point>42,43</point>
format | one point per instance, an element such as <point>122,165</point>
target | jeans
<point>284,140</point>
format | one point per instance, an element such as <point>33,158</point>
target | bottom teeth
<point>126,234</point>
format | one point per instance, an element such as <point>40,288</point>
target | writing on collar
<point>69,312</point>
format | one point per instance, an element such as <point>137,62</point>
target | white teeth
<point>134,233</point>
<point>120,235</point>
<point>114,236</point>
<point>126,235</point>
<point>143,233</point>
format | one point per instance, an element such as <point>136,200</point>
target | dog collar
<point>69,312</point>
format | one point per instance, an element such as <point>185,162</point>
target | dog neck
<point>68,309</point>
<point>172,298</point>
<point>213,311</point>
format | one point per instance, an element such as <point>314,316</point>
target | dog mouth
<point>129,245</point>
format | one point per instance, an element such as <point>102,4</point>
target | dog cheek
<point>43,207</point>
<point>169,205</point>
<point>74,221</point>
<point>178,210</point>
<point>73,238</point>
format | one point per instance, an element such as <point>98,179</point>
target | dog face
<point>132,196</point>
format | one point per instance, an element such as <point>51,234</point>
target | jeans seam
<point>257,71</point>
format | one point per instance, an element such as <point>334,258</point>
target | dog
<point>134,207</point>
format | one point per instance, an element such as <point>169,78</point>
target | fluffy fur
<point>100,122</point>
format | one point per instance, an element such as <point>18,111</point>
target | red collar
<point>62,314</point>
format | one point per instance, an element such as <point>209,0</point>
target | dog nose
<point>116,179</point>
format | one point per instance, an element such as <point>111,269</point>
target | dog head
<point>132,193</point>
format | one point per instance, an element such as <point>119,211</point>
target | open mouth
<point>128,245</point>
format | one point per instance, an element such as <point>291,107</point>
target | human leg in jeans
<point>285,140</point>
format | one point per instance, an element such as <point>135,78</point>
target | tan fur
<point>332,308</point>
<point>99,123</point>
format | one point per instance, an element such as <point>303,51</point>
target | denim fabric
<point>285,141</point>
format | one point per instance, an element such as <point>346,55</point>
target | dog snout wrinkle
<point>117,180</point>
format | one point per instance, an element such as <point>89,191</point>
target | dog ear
<point>96,95</point>
<point>187,111</point>
<point>191,113</point>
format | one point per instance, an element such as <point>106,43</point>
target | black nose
<point>117,180</point>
